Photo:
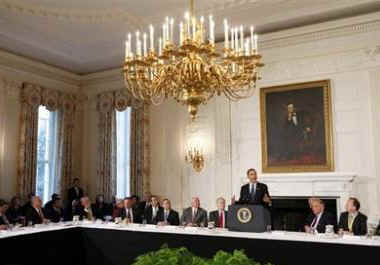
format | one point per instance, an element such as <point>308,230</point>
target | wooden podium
<point>248,218</point>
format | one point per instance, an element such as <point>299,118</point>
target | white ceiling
<point>85,36</point>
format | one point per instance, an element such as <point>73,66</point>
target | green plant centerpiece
<point>182,256</point>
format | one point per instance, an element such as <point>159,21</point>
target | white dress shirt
<point>154,211</point>
<point>130,214</point>
<point>166,215</point>
<point>195,210</point>
<point>317,218</point>
<point>252,187</point>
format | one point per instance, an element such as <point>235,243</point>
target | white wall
<point>15,70</point>
<point>348,55</point>
<point>9,131</point>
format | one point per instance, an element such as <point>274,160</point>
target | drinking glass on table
<point>30,224</point>
<point>108,218</point>
<point>329,230</point>
<point>76,219</point>
<point>370,232</point>
<point>269,229</point>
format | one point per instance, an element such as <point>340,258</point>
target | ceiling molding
<point>72,14</point>
<point>113,79</point>
<point>15,63</point>
<point>326,30</point>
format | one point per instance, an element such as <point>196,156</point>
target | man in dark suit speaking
<point>254,192</point>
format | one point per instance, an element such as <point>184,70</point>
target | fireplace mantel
<point>308,177</point>
<point>335,184</point>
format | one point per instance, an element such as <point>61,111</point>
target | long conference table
<point>114,244</point>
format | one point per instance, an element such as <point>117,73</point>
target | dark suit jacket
<point>52,214</point>
<point>326,219</point>
<point>359,227</point>
<point>101,210</point>
<point>82,213</point>
<point>148,214</point>
<point>200,218</point>
<point>136,215</point>
<point>73,195</point>
<point>173,217</point>
<point>4,220</point>
<point>14,215</point>
<point>214,217</point>
<point>32,215</point>
<point>257,198</point>
<point>25,207</point>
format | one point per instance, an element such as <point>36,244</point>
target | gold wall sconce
<point>195,157</point>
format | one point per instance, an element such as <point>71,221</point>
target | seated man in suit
<point>4,223</point>
<point>50,203</point>
<point>27,204</point>
<point>194,215</point>
<point>319,218</point>
<point>167,216</point>
<point>352,221</point>
<point>145,203</point>
<point>53,211</point>
<point>85,210</point>
<point>102,209</point>
<point>150,213</point>
<point>254,192</point>
<point>34,214</point>
<point>119,205</point>
<point>219,217</point>
<point>130,214</point>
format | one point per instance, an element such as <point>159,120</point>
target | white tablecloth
<point>275,235</point>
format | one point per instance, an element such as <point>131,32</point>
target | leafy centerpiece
<point>182,256</point>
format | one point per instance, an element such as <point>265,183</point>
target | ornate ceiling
<point>85,36</point>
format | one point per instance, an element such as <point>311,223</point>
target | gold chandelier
<point>192,71</point>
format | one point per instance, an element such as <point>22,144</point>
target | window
<point>123,159</point>
<point>46,153</point>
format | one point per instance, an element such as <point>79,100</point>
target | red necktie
<point>221,225</point>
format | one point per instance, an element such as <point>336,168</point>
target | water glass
<point>329,230</point>
<point>269,229</point>
<point>370,232</point>
<point>76,219</point>
<point>30,224</point>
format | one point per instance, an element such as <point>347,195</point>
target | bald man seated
<point>34,214</point>
<point>194,215</point>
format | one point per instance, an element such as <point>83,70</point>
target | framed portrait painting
<point>296,127</point>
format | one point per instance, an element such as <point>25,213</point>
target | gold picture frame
<point>296,128</point>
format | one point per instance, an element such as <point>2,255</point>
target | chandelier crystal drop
<point>190,69</point>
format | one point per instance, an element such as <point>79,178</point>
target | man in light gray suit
<point>194,215</point>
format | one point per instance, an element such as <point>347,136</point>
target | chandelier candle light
<point>191,71</point>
